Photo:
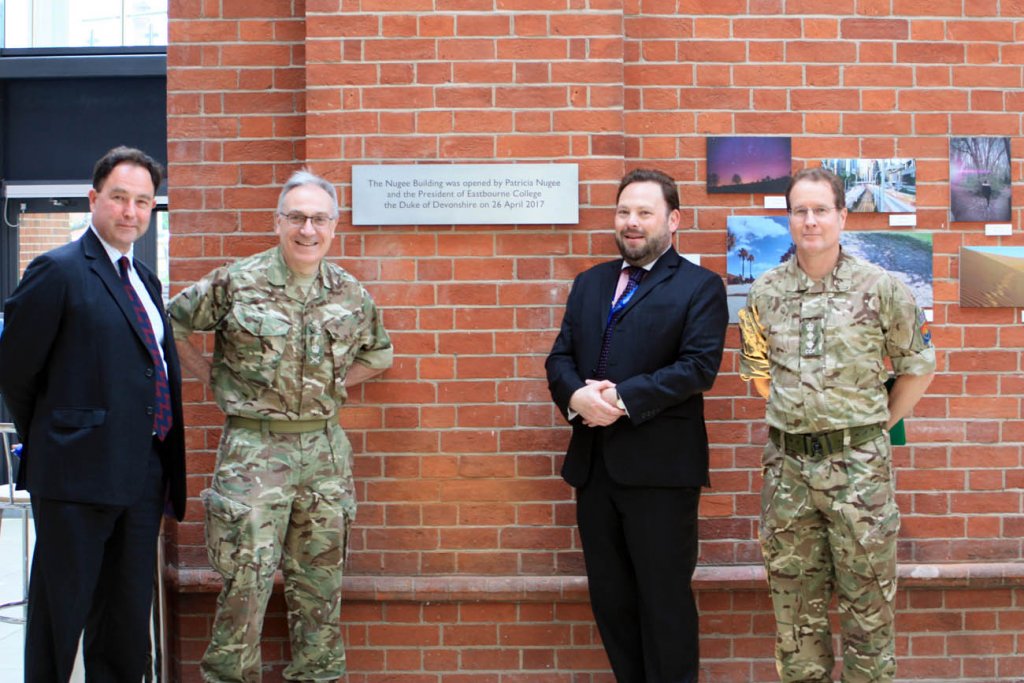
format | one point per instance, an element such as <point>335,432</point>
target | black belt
<point>822,443</point>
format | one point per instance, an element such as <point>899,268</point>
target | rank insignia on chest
<point>811,337</point>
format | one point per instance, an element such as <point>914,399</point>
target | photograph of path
<point>877,185</point>
<point>907,254</point>
<point>979,179</point>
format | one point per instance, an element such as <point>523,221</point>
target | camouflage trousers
<point>830,524</point>
<point>279,499</point>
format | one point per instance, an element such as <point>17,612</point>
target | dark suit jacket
<point>80,384</point>
<point>665,351</point>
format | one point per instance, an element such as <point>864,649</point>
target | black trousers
<point>92,569</point>
<point>640,549</point>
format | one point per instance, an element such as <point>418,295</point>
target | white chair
<point>10,499</point>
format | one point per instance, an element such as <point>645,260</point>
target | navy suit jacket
<point>666,350</point>
<point>80,383</point>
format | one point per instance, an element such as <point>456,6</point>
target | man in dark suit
<point>641,339</point>
<point>89,371</point>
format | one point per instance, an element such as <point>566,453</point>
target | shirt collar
<point>113,252</point>
<point>837,280</point>
<point>650,266</point>
<point>279,274</point>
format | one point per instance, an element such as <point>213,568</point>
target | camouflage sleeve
<point>908,340</point>
<point>375,350</point>
<point>201,306</point>
<point>753,344</point>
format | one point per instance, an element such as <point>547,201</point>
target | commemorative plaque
<point>465,194</point>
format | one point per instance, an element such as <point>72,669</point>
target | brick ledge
<point>574,588</point>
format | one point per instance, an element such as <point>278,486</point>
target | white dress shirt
<point>155,321</point>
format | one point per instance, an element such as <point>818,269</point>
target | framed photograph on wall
<point>979,179</point>
<point>753,165</point>
<point>991,276</point>
<point>907,254</point>
<point>877,185</point>
<point>754,244</point>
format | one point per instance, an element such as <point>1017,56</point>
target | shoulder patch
<point>922,323</point>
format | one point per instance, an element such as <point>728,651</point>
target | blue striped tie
<point>636,274</point>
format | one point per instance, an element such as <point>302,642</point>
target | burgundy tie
<point>636,274</point>
<point>162,417</point>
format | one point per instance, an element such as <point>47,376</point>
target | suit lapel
<point>104,269</point>
<point>608,282</point>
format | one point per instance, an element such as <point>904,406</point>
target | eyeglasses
<point>801,213</point>
<point>297,219</point>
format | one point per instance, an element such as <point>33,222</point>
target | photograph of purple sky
<point>748,164</point>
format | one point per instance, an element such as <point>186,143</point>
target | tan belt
<point>822,443</point>
<point>278,426</point>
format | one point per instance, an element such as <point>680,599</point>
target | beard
<point>652,247</point>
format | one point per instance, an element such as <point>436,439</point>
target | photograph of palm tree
<point>756,244</point>
<point>744,164</point>
<point>979,179</point>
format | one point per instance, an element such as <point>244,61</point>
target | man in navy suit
<point>640,341</point>
<point>90,374</point>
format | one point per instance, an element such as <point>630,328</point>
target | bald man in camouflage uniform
<point>815,333</point>
<point>292,333</point>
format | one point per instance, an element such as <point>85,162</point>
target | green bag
<point>898,434</point>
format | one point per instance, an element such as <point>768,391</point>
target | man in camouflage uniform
<point>815,333</point>
<point>292,333</point>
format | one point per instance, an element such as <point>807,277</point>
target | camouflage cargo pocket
<point>870,498</point>
<point>870,512</point>
<point>870,547</point>
<point>343,335</point>
<point>334,527</point>
<point>225,519</point>
<point>255,340</point>
<point>350,517</point>
<point>853,330</point>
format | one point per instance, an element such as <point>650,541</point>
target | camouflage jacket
<point>282,351</point>
<point>823,344</point>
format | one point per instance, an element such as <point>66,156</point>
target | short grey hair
<point>304,177</point>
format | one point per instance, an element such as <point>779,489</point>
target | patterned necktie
<point>162,417</point>
<point>636,274</point>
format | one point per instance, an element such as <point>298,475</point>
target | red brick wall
<point>41,232</point>
<point>458,446</point>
